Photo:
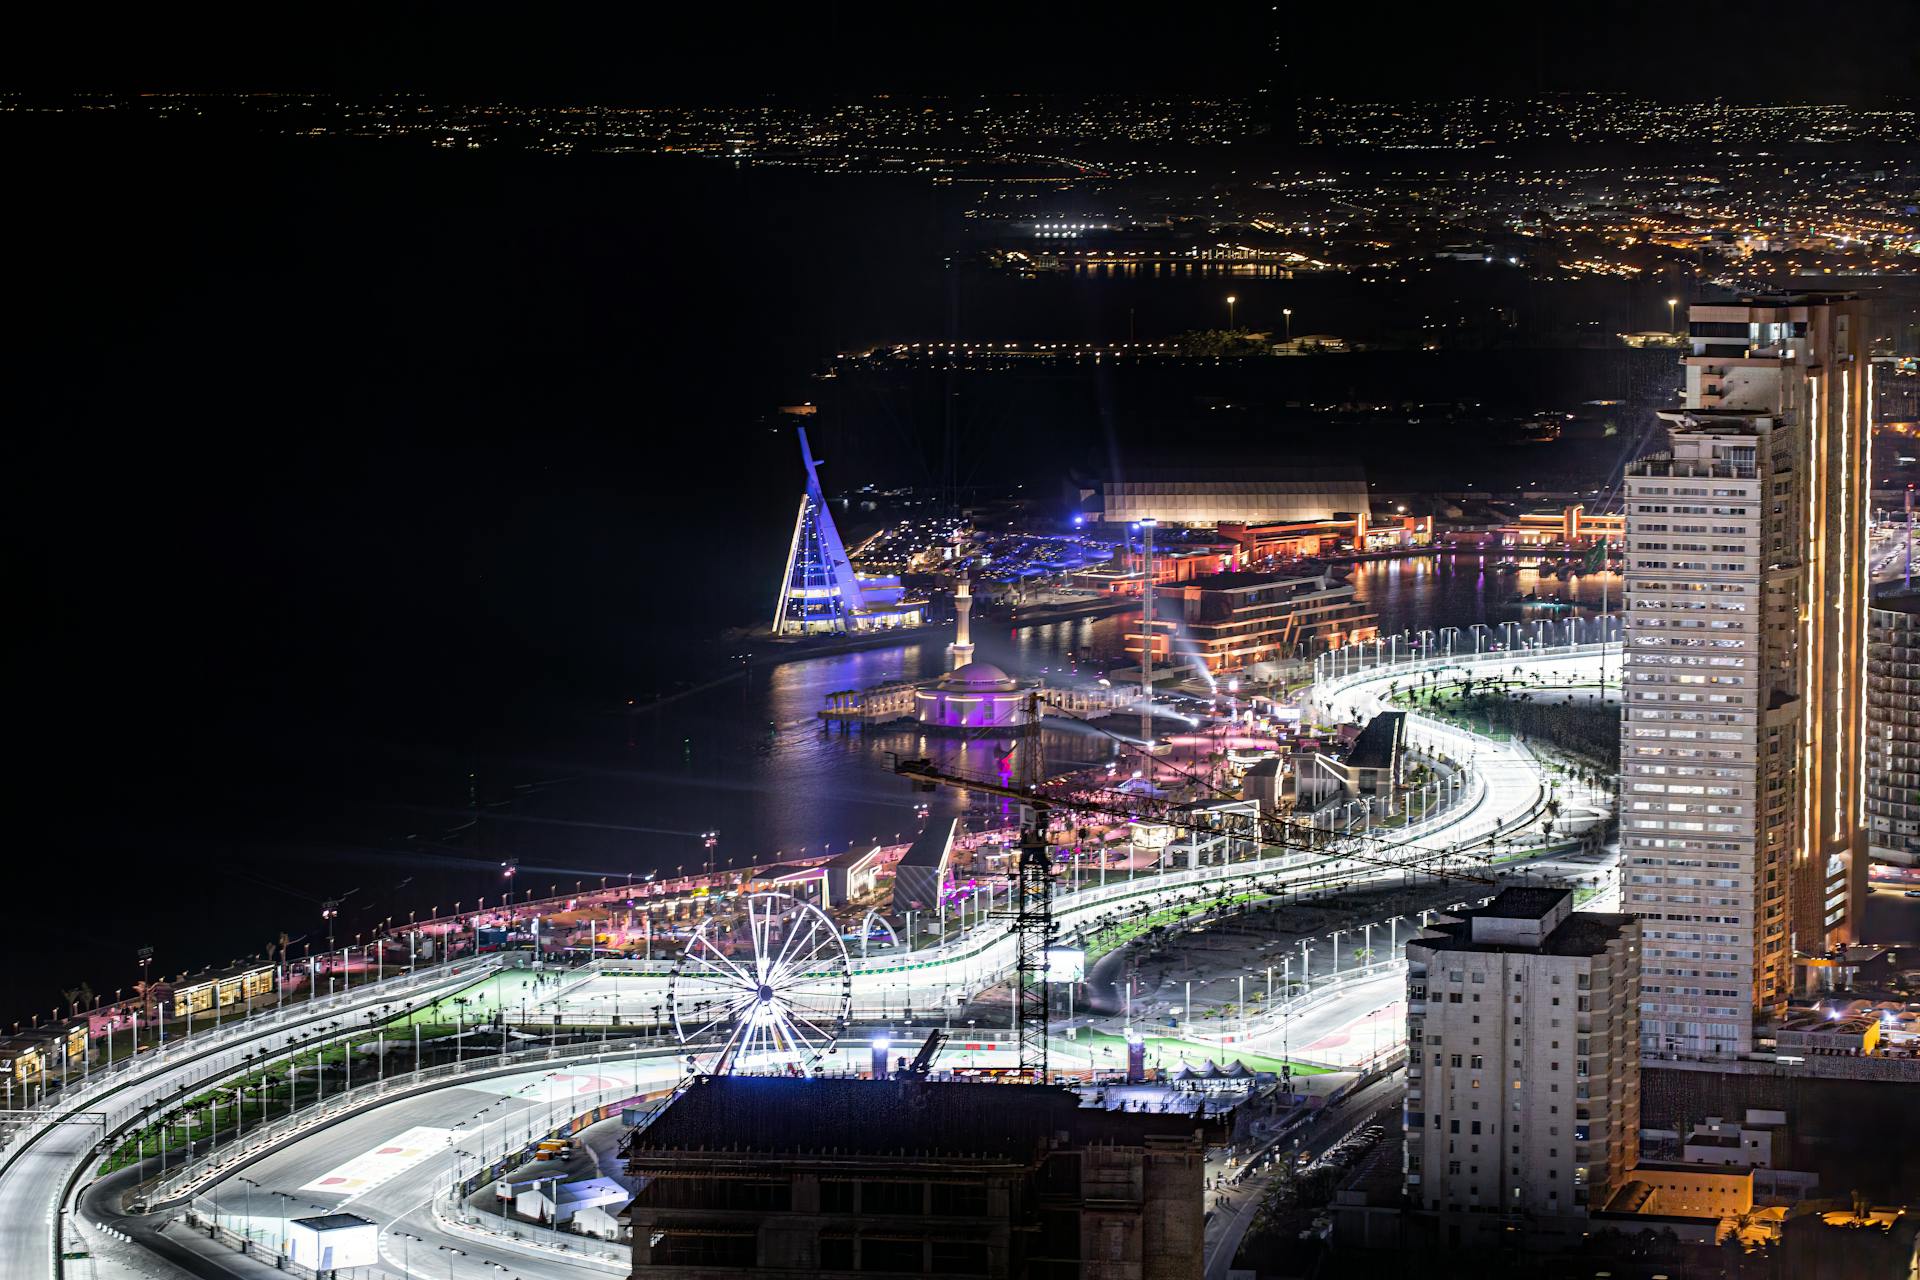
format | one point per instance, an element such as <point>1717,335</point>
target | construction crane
<point>1030,910</point>
<point>923,1061</point>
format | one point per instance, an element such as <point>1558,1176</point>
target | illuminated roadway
<point>1505,796</point>
<point>37,1165</point>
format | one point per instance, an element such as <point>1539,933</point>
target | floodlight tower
<point>1146,633</point>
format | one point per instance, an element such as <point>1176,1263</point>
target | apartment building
<point>1893,729</point>
<point>1742,751</point>
<point>1523,1066</point>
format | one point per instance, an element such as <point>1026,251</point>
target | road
<point>1507,796</point>
<point>1226,1229</point>
<point>389,1164</point>
<point>40,1163</point>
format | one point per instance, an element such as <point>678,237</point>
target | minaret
<point>961,650</point>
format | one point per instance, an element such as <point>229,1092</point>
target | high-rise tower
<point>1746,592</point>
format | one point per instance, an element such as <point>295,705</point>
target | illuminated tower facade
<point>821,593</point>
<point>960,652</point>
<point>1742,740</point>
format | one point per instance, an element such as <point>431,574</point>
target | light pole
<point>1336,949</point>
<point>1672,323</point>
<point>1286,316</point>
<point>1230,301</point>
<point>250,1185</point>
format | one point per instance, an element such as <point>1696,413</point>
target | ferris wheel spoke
<point>787,947</point>
<point>825,1038</point>
<point>726,1050</point>
<point>728,1009</point>
<point>725,964</point>
<point>820,1005</point>
<point>760,928</point>
<point>785,969</point>
<point>801,1045</point>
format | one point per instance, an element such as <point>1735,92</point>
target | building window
<point>891,1255</point>
<point>893,1197</point>
<point>965,1257</point>
<point>960,1199</point>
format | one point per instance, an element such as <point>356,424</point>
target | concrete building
<point>922,869</point>
<point>1893,729</point>
<point>1232,621</point>
<point>1523,1074</point>
<point>1809,1031</point>
<point>1568,528</point>
<point>1747,1144</point>
<point>1204,498</point>
<point>1690,1203</point>
<point>555,1200</point>
<point>837,881</point>
<point>1265,783</point>
<point>1372,767</point>
<point>1746,668</point>
<point>975,696</point>
<point>770,1176</point>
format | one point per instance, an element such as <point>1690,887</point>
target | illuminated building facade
<point>1570,527</point>
<point>1745,668</point>
<point>821,593</point>
<point>1243,495</point>
<point>1893,729</point>
<point>971,697</point>
<point>1230,621</point>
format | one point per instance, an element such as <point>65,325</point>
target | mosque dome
<point>977,675</point>
<point>976,695</point>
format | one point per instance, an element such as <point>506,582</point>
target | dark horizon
<point>842,49</point>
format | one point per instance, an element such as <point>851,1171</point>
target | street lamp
<point>1230,301</point>
<point>1286,315</point>
<point>1672,326</point>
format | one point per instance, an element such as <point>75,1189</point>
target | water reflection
<point>753,760</point>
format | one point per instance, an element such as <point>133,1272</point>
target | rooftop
<point>930,847</point>
<point>905,1118</point>
<point>1897,602</point>
<point>333,1222</point>
<point>1379,742</point>
<point>1581,933</point>
<point>1247,581</point>
<point>1305,473</point>
<point>1522,903</point>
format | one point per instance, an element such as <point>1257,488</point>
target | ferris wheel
<point>769,987</point>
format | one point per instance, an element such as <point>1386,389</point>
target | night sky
<point>650,53</point>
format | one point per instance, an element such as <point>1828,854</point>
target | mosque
<point>971,694</point>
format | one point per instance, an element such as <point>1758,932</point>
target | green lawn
<point>1165,1051</point>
